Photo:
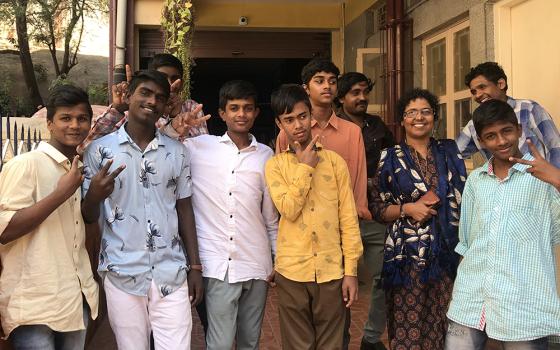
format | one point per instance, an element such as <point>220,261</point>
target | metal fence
<point>16,139</point>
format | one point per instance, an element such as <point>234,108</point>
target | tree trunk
<point>25,54</point>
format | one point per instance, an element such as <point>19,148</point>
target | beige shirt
<point>46,271</point>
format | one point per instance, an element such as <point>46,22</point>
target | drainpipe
<point>119,73</point>
<point>129,54</point>
<point>111,63</point>
<point>395,79</point>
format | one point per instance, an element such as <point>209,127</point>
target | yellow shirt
<point>46,271</point>
<point>318,235</point>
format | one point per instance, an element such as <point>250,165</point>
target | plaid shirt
<point>536,124</point>
<point>112,120</point>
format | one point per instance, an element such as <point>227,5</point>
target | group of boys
<point>292,220</point>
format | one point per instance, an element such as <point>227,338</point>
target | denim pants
<point>41,337</point>
<point>461,337</point>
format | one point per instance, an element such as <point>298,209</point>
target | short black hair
<point>236,90</point>
<point>284,99</point>
<point>491,112</point>
<point>414,94</point>
<point>347,80</point>
<point>166,60</point>
<point>143,76</point>
<point>315,66</point>
<point>492,71</point>
<point>67,96</point>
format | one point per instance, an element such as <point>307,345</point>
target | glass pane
<point>462,114</point>
<point>373,69</point>
<point>435,53</point>
<point>440,127</point>
<point>462,57</point>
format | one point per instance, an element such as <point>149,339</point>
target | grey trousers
<point>235,313</point>
<point>373,240</point>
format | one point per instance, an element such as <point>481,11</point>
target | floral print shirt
<point>140,234</point>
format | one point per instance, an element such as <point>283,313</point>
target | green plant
<point>178,24</point>
<point>98,94</point>
<point>5,97</point>
<point>41,72</point>
<point>60,80</point>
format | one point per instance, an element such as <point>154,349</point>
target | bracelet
<point>401,209</point>
<point>196,267</point>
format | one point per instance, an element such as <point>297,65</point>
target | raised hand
<point>183,122</point>
<point>71,181</point>
<point>120,90</point>
<point>307,155</point>
<point>103,183</point>
<point>540,167</point>
<point>174,103</point>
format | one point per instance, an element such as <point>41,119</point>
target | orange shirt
<point>344,138</point>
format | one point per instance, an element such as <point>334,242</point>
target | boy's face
<point>483,89</point>
<point>297,124</point>
<point>501,139</point>
<point>147,103</point>
<point>172,74</point>
<point>356,101</point>
<point>322,88</point>
<point>239,115</point>
<point>70,125</point>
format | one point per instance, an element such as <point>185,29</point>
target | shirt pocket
<point>522,225</point>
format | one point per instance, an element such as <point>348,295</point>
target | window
<point>445,62</point>
<point>370,61</point>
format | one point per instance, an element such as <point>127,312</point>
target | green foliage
<point>5,97</point>
<point>98,94</point>
<point>24,107</point>
<point>177,23</point>
<point>60,80</point>
<point>41,72</point>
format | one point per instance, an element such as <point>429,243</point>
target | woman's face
<point>418,119</point>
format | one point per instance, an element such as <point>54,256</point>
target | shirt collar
<point>367,118</point>
<point>55,154</point>
<point>252,139</point>
<point>489,169</point>
<point>333,121</point>
<point>124,137</point>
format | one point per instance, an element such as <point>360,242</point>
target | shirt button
<point>314,254</point>
<point>229,259</point>
<point>233,171</point>
<point>153,267</point>
<point>142,156</point>
<point>230,193</point>
<point>312,209</point>
<point>77,223</point>
<point>231,238</point>
<point>230,216</point>
<point>149,221</point>
<point>313,233</point>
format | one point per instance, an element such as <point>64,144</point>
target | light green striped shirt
<point>506,281</point>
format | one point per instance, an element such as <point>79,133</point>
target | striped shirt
<point>506,281</point>
<point>536,125</point>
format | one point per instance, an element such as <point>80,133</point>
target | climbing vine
<point>177,23</point>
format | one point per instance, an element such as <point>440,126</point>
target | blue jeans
<point>41,337</point>
<point>461,337</point>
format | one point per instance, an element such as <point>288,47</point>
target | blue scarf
<point>428,247</point>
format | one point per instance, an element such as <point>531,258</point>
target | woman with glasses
<point>417,191</point>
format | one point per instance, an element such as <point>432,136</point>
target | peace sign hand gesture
<point>307,155</point>
<point>71,181</point>
<point>183,122</point>
<point>540,167</point>
<point>120,90</point>
<point>103,183</point>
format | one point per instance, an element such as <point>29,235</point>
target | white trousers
<point>132,318</point>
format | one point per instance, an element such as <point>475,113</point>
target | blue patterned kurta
<point>140,235</point>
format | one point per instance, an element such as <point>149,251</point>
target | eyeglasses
<point>413,113</point>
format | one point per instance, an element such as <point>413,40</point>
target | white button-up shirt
<point>236,221</point>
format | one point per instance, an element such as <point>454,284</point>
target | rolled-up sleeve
<point>17,189</point>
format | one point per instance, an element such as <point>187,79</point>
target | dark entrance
<point>267,59</point>
<point>266,74</point>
